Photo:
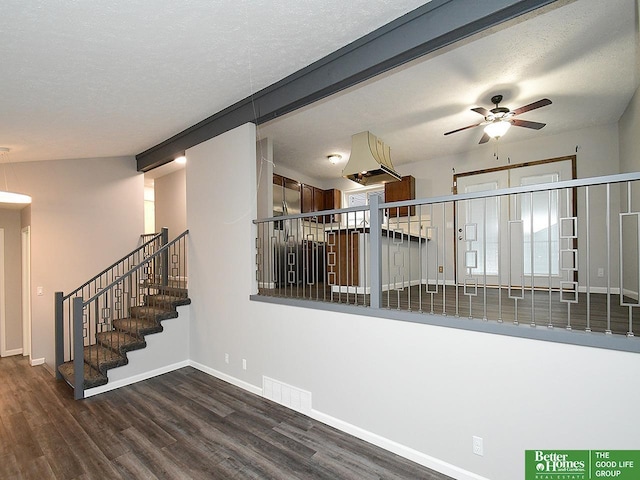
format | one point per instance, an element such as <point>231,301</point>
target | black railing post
<point>59,332</point>
<point>165,257</point>
<point>78,349</point>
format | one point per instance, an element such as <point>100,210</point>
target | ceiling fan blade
<point>527,124</point>
<point>464,128</point>
<point>532,106</point>
<point>485,138</point>
<point>482,111</point>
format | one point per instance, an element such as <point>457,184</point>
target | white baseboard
<point>630,294</point>
<point>384,443</point>
<point>397,448</point>
<point>36,361</point>
<point>114,384</point>
<point>227,378</point>
<point>10,353</point>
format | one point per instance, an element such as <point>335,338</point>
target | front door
<point>516,240</point>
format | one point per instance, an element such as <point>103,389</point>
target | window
<point>539,214</point>
<point>358,199</point>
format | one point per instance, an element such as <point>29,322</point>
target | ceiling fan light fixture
<point>497,128</point>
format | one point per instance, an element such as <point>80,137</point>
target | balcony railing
<point>561,255</point>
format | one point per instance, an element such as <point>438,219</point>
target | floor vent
<point>292,397</point>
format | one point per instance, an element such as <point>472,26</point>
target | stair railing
<point>164,271</point>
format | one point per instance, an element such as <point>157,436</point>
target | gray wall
<point>423,389</point>
<point>170,203</point>
<point>10,222</point>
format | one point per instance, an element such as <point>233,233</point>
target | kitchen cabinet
<point>332,201</point>
<point>404,189</point>
<point>312,199</point>
<point>316,200</point>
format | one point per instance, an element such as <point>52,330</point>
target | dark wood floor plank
<point>183,425</point>
<point>150,456</point>
<point>58,454</point>
<point>23,442</point>
<point>105,439</point>
<point>38,469</point>
<point>130,467</point>
<point>9,467</point>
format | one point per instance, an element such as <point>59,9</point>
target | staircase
<point>111,314</point>
<point>128,334</point>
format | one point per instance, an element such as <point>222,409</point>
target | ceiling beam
<point>432,26</point>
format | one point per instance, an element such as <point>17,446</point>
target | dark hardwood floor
<point>181,425</point>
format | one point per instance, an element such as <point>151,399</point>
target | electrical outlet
<point>226,358</point>
<point>478,448</point>
<point>601,272</point>
<point>244,363</point>
<point>440,269</point>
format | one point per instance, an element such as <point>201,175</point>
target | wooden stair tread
<point>137,326</point>
<point>102,358</point>
<point>169,290</point>
<point>162,299</point>
<point>92,377</point>
<point>153,312</point>
<point>120,342</point>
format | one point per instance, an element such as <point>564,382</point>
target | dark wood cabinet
<point>404,189</point>
<point>316,200</point>
<point>312,199</point>
<point>332,201</point>
<point>307,198</point>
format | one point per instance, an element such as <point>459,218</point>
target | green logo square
<point>557,465</point>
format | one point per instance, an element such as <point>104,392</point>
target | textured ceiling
<point>583,55</point>
<point>96,79</point>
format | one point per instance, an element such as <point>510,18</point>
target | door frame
<point>26,290</point>
<point>454,189</point>
<point>3,312</point>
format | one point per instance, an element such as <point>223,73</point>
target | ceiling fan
<point>499,119</point>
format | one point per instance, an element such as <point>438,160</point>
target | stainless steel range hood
<point>370,161</point>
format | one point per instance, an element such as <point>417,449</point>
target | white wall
<point>427,388</point>
<point>85,214</point>
<point>170,203</point>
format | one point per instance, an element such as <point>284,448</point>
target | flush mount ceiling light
<point>5,195</point>
<point>497,128</point>
<point>334,158</point>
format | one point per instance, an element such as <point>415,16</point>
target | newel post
<point>78,349</point>
<point>59,332</point>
